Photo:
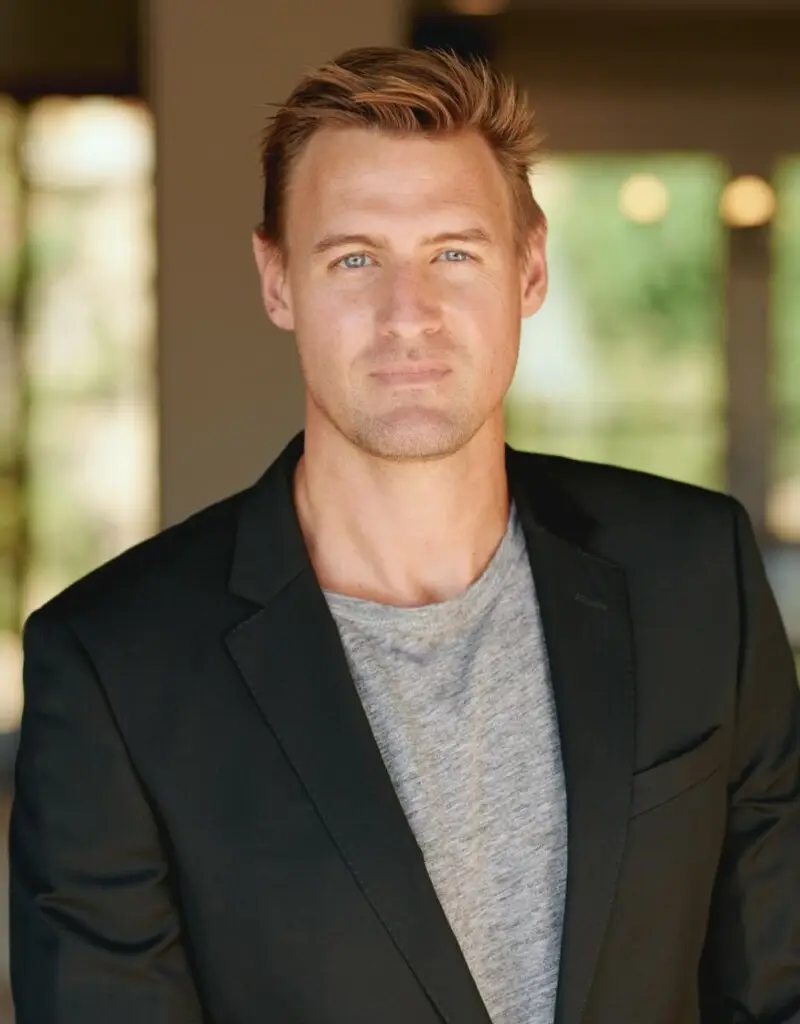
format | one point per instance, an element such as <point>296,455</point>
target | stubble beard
<point>410,433</point>
<point>416,435</point>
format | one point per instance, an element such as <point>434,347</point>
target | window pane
<point>10,440</point>
<point>625,363</point>
<point>784,501</point>
<point>89,344</point>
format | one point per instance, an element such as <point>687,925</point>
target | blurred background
<point>139,379</point>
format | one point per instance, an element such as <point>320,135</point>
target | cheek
<point>488,321</point>
<point>487,309</point>
<point>331,330</point>
<point>491,290</point>
<point>333,310</point>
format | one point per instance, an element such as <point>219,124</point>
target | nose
<point>409,305</point>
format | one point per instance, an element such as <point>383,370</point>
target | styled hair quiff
<point>401,92</point>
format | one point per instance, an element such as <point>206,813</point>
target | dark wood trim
<point>34,88</point>
<point>679,50</point>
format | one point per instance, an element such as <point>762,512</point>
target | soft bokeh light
<point>88,142</point>
<point>10,681</point>
<point>644,199</point>
<point>748,202</point>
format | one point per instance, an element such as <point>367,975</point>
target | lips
<point>411,373</point>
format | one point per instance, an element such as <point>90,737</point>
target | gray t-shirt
<point>459,700</point>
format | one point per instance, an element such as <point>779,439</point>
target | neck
<point>405,534</point>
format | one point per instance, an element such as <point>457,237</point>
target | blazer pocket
<point>657,785</point>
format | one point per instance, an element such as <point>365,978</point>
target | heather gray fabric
<point>459,699</point>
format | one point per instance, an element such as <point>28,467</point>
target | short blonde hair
<point>403,91</point>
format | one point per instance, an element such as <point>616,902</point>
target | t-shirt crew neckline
<point>437,617</point>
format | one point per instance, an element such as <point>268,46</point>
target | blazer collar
<point>270,549</point>
<point>291,658</point>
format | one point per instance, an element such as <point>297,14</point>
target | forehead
<point>354,171</point>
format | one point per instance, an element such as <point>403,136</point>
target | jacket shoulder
<point>616,497</point>
<point>188,558</point>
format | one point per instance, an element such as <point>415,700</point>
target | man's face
<point>404,285</point>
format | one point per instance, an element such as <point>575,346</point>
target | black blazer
<point>204,831</point>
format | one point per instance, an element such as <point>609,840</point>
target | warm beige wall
<point>230,387</point>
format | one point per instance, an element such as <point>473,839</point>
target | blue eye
<point>454,256</point>
<point>355,261</point>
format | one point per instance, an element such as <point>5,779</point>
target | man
<point>418,728</point>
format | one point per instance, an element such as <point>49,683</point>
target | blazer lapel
<point>586,623</point>
<point>291,658</point>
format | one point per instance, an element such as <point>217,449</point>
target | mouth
<point>411,374</point>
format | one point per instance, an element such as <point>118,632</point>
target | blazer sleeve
<point>751,968</point>
<point>94,929</point>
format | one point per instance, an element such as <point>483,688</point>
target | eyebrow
<point>468,235</point>
<point>336,241</point>
<point>328,242</point>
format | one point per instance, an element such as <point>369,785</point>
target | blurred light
<point>644,199</point>
<point>747,202</point>
<point>783,513</point>
<point>11,694</point>
<point>480,7</point>
<point>88,142</point>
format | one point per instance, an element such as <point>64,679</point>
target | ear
<point>534,271</point>
<point>275,290</point>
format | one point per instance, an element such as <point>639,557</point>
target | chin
<point>413,437</point>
